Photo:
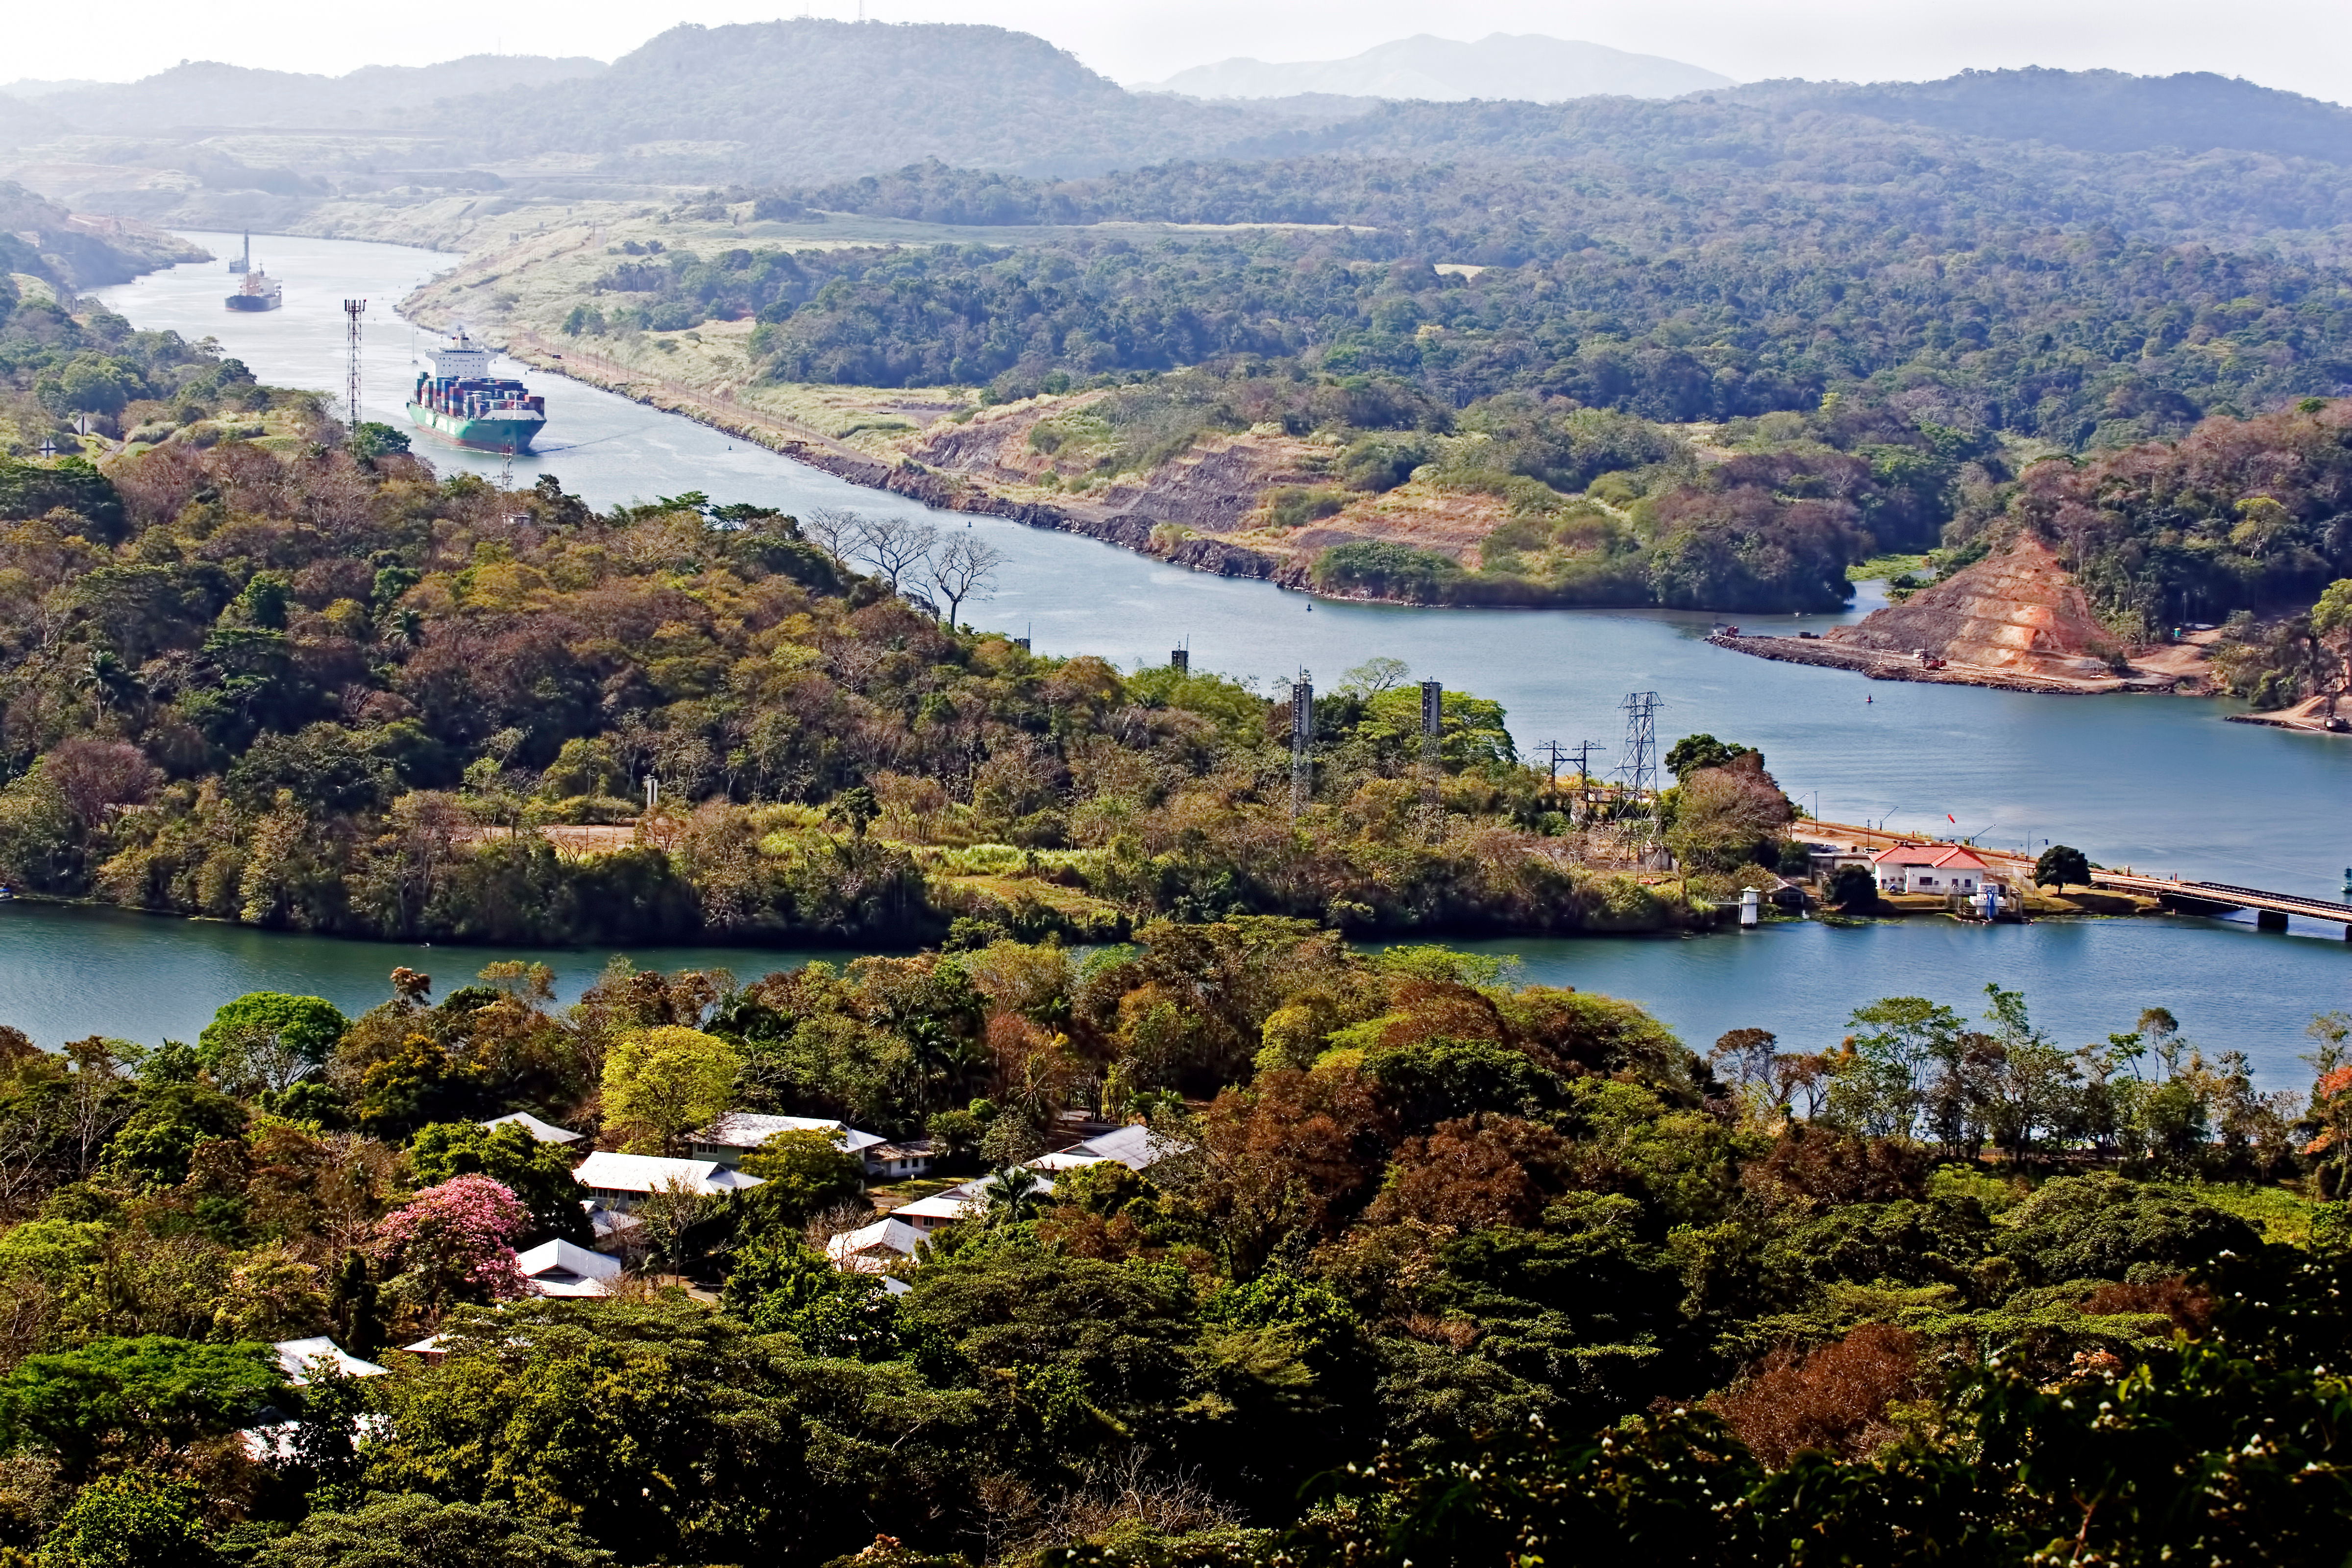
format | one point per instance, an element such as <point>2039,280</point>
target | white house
<point>297,1355</point>
<point>622,1182</point>
<point>965,1200</point>
<point>902,1157</point>
<point>1928,869</point>
<point>874,1248</point>
<point>927,1215</point>
<point>544,1131</point>
<point>272,1439</point>
<point>737,1132</point>
<point>1137,1147</point>
<point>559,1268</point>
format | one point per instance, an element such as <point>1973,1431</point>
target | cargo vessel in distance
<point>259,292</point>
<point>460,400</point>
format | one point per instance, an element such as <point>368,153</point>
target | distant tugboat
<point>259,292</point>
<point>243,263</point>
<point>461,401</point>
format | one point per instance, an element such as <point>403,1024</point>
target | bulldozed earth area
<point>2016,621</point>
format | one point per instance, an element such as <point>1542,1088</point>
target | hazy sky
<point>2301,44</point>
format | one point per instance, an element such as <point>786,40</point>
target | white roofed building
<point>622,1182</point>
<point>297,1356</point>
<point>1138,1147</point>
<point>544,1131</point>
<point>872,1248</point>
<point>559,1268</point>
<point>737,1132</point>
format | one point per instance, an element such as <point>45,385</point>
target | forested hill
<point>208,93</point>
<point>41,239</point>
<point>1502,181</point>
<point>2099,111</point>
<point>815,100</point>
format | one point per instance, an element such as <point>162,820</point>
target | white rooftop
<point>749,1129</point>
<point>614,1172</point>
<point>559,1268</point>
<point>874,1247</point>
<point>1138,1147</point>
<point>545,1131</point>
<point>1066,1160</point>
<point>296,1356</point>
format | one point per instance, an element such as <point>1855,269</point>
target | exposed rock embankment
<point>2017,621</point>
<point>2019,612</point>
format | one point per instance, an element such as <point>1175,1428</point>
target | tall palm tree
<point>1012,1195</point>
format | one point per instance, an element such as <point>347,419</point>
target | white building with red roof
<point>1928,869</point>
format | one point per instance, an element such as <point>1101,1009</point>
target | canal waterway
<point>71,973</point>
<point>2160,784</point>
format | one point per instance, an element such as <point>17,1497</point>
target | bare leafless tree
<point>896,547</point>
<point>836,530</point>
<point>964,568</point>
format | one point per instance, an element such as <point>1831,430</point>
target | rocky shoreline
<point>1125,529</point>
<point>1877,666</point>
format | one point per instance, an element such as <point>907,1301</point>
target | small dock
<point>2271,910</point>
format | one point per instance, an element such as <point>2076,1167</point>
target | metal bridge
<point>2271,910</point>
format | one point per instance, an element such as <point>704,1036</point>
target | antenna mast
<point>1302,742</point>
<point>352,310</point>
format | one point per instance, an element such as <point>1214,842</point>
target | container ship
<point>259,292</point>
<point>460,401</point>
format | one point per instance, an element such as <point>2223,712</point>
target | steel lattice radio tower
<point>1432,730</point>
<point>352,310</point>
<point>1302,742</point>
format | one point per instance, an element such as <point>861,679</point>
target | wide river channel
<point>2160,784</point>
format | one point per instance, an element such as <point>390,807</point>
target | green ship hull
<point>506,432</point>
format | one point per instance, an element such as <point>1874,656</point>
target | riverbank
<point>1877,665</point>
<point>2005,765</point>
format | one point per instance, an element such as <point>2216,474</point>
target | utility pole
<point>1584,750</point>
<point>352,310</point>
<point>1302,742</point>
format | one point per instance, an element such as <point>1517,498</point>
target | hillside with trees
<point>2097,111</point>
<point>299,682</point>
<point>698,103</point>
<point>1411,1262</point>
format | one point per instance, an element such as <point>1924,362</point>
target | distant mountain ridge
<point>206,93</point>
<point>811,98</point>
<point>1529,68</point>
<point>2097,110</point>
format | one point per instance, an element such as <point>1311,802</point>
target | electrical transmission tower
<point>1302,742</point>
<point>1639,769</point>
<point>352,310</point>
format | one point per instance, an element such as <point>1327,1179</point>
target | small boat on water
<point>259,292</point>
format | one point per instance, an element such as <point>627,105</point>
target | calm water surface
<point>69,973</point>
<point>2157,782</point>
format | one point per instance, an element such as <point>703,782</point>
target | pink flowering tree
<point>453,1242</point>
